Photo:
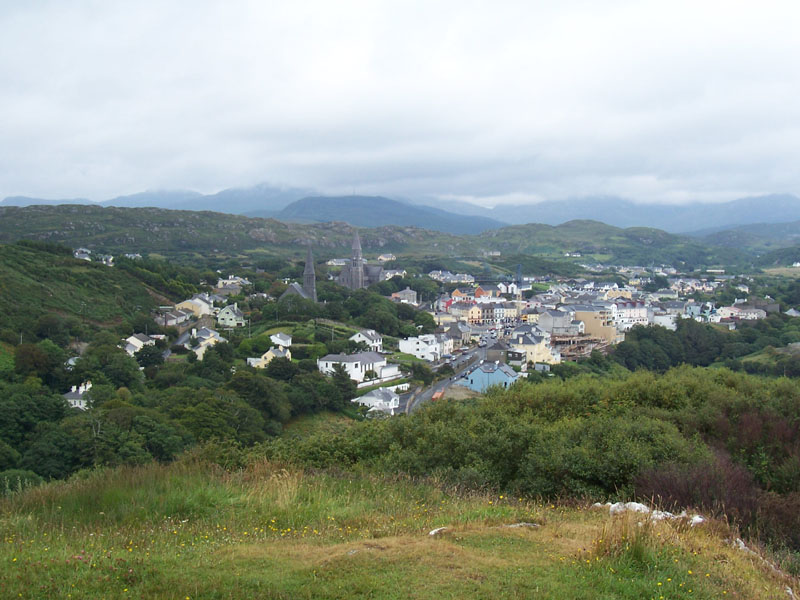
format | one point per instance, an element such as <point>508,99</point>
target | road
<point>411,402</point>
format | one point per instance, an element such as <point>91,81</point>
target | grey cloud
<point>652,101</point>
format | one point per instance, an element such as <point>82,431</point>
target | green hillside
<point>204,234</point>
<point>758,237</point>
<point>36,282</point>
<point>594,239</point>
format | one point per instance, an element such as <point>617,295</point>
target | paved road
<point>460,367</point>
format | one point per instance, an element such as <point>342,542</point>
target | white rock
<point>437,531</point>
<point>696,520</point>
<point>660,515</point>
<point>621,507</point>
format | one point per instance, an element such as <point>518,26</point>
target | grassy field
<point>310,424</point>
<point>190,531</point>
<point>792,272</point>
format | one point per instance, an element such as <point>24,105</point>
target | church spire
<point>357,265</point>
<point>356,246</point>
<point>309,277</point>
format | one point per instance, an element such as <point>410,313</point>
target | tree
<point>281,369</point>
<point>9,458</point>
<point>52,453</point>
<point>149,356</point>
<point>262,393</point>
<point>341,379</point>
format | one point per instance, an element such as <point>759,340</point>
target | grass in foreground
<point>190,531</point>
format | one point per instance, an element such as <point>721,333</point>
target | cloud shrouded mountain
<point>374,211</point>
<point>303,205</point>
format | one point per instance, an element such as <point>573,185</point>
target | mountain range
<point>376,211</point>
<point>306,205</point>
<point>621,212</point>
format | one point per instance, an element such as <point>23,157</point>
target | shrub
<point>717,486</point>
<point>17,480</point>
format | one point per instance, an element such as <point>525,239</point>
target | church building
<point>309,288</point>
<point>357,274</point>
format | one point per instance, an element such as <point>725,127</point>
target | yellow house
<point>536,349</point>
<point>262,361</point>
<point>474,314</point>
<point>618,293</point>
<point>198,305</point>
<point>598,322</point>
<point>511,310</point>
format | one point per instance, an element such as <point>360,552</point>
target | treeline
<point>152,414</point>
<point>709,438</point>
<point>699,344</point>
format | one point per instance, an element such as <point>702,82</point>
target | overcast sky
<point>482,101</point>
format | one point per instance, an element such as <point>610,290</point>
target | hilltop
<point>266,200</point>
<point>193,530</point>
<point>375,211</point>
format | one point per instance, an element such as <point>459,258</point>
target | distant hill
<point>620,212</point>
<point>189,234</point>
<point>263,199</point>
<point>176,233</point>
<point>758,237</point>
<point>306,205</point>
<point>375,211</point>
<point>634,245</point>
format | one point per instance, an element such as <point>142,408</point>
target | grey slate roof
<point>365,357</point>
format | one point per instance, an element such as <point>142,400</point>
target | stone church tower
<point>357,274</point>
<point>309,277</point>
<point>357,265</point>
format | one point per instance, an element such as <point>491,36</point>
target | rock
<point>437,531</point>
<point>660,515</point>
<point>621,507</point>
<point>696,520</point>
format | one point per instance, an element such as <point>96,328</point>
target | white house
<point>76,396</point>
<point>136,342</point>
<point>204,338</point>
<point>667,320</point>
<point>424,347</point>
<point>380,400</point>
<point>630,313</point>
<point>358,365</point>
<point>370,337</point>
<point>281,339</point>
